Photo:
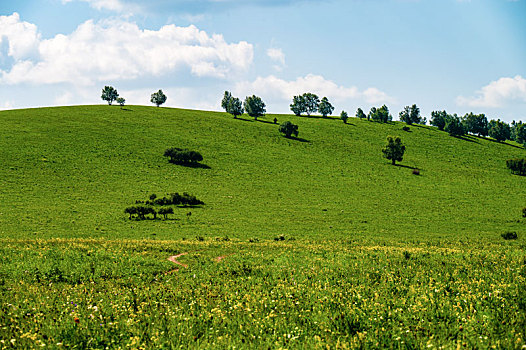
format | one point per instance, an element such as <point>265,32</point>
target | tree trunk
<point>393,161</point>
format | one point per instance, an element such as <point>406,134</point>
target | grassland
<point>372,256</point>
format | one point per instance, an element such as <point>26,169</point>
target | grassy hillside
<point>372,256</point>
<point>70,172</point>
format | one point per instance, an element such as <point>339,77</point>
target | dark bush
<point>184,199</point>
<point>165,211</point>
<point>524,212</point>
<point>416,171</point>
<point>279,238</point>
<point>517,166</point>
<point>141,212</point>
<point>182,156</point>
<point>509,235</point>
<point>406,128</point>
<point>289,129</point>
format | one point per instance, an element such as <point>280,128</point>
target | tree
<point>476,124</point>
<point>158,98</point>
<point>519,132</point>
<point>182,156</point>
<point>254,106</point>
<point>226,99</point>
<point>411,115</point>
<point>298,105</point>
<point>325,107</point>
<point>312,103</point>
<point>288,129</point>
<point>131,211</point>
<point>165,211</point>
<point>394,150</point>
<point>121,101</point>
<point>109,94</point>
<point>454,126</point>
<point>235,107</point>
<point>344,116</point>
<point>360,114</point>
<point>380,114</point>
<point>499,130</point>
<point>439,119</point>
<point>371,113</point>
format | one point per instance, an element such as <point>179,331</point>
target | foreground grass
<point>372,255</point>
<point>265,294</point>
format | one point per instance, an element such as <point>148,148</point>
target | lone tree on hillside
<point>254,106</point>
<point>288,129</point>
<point>109,94</point>
<point>394,150</point>
<point>411,115</point>
<point>158,98</point>
<point>298,105</point>
<point>344,116</point>
<point>325,107</point>
<point>121,101</point>
<point>360,114</point>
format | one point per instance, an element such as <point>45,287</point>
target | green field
<point>370,255</point>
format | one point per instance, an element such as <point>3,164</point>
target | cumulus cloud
<point>116,50</point>
<point>112,5</point>
<point>497,93</point>
<point>278,89</point>
<point>278,57</point>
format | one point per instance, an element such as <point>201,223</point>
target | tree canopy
<point>411,115</point>
<point>158,98</point>
<point>325,107</point>
<point>254,106</point>
<point>109,94</point>
<point>288,129</point>
<point>394,150</point>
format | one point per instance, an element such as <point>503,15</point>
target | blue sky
<point>457,55</point>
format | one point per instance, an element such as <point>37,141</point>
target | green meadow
<point>312,242</point>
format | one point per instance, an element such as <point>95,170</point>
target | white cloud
<point>117,50</point>
<point>112,5</point>
<point>277,56</point>
<point>23,38</point>
<point>497,93</point>
<point>277,89</point>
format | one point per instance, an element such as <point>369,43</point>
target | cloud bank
<point>496,94</point>
<point>116,50</point>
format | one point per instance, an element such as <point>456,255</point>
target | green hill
<point>316,242</point>
<point>70,172</point>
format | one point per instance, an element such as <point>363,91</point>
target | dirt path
<point>174,257</point>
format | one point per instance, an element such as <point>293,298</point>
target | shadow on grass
<point>192,165</point>
<point>299,139</point>
<point>127,109</point>
<point>266,122</point>
<point>243,119</point>
<point>465,138</point>
<point>499,142</point>
<point>406,166</point>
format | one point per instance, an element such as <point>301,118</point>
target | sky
<point>455,55</point>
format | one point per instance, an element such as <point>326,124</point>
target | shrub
<point>165,211</point>
<point>524,212</point>
<point>288,129</point>
<point>141,212</point>
<point>517,166</point>
<point>406,128</point>
<point>279,238</point>
<point>416,171</point>
<point>182,156</point>
<point>344,116</point>
<point>509,235</point>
